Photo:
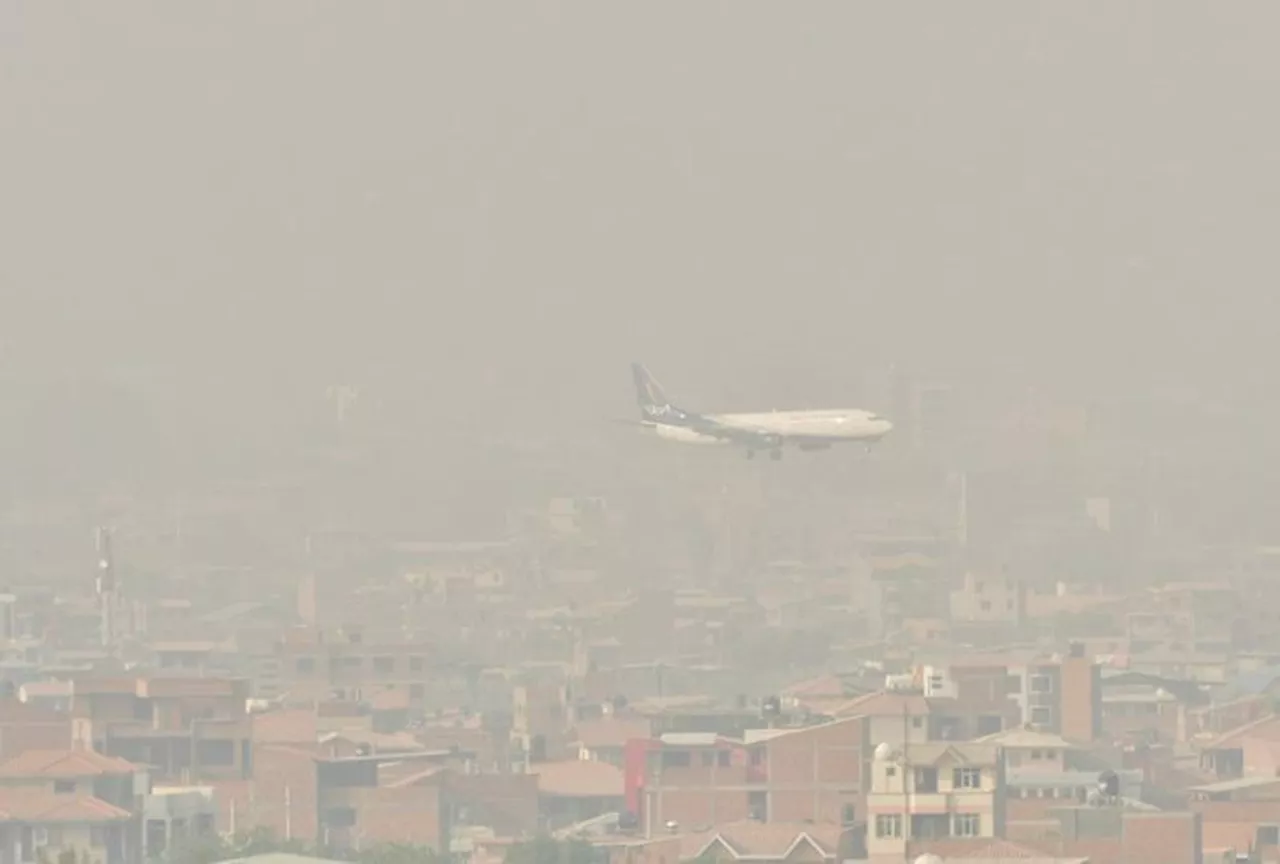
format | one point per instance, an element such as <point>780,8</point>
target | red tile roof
<point>39,805</point>
<point>764,839</point>
<point>885,704</point>
<point>65,764</point>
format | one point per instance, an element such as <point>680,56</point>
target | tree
<point>548,850</point>
<point>398,853</point>
<point>210,850</point>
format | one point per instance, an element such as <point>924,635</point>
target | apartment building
<point>1061,695</point>
<point>313,666</point>
<point>811,773</point>
<point>58,801</point>
<point>1197,617</point>
<point>988,600</point>
<point>186,729</point>
<point>395,798</point>
<point>971,697</point>
<point>25,726</point>
<point>931,792</point>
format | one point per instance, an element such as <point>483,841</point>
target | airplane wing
<point>744,435</point>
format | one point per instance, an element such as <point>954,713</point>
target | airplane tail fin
<point>650,396</point>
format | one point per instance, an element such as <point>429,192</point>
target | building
<point>186,729</point>
<point>932,792</point>
<point>26,726</point>
<point>605,739</point>
<point>1032,752</point>
<point>384,798</point>
<point>313,666</point>
<point>58,801</point>
<point>905,588</point>
<point>767,843</point>
<point>176,815</point>
<point>988,600</point>
<point>1062,695</point>
<point>811,773</point>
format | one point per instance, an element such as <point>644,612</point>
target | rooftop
<point>63,764</point>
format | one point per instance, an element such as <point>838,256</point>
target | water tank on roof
<point>884,751</point>
<point>928,858</point>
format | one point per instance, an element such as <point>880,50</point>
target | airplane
<point>807,430</point>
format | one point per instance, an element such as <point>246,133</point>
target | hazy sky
<point>504,203</point>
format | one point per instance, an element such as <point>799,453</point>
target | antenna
<point>105,585</point>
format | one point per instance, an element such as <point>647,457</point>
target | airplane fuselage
<point>771,430</point>
<point>806,429</point>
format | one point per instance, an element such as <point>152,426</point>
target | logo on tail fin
<point>652,399</point>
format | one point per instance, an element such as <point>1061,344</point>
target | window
<point>98,836</point>
<point>925,780</point>
<point>384,665</point>
<point>1051,754</point>
<point>986,605</point>
<point>889,825</point>
<point>890,771</point>
<point>676,759</point>
<point>722,758</point>
<point>757,757</point>
<point>1035,755</point>
<point>966,778</point>
<point>917,722</point>
<point>64,787</point>
<point>708,759</point>
<point>1268,835</point>
<point>215,752</point>
<point>1041,684</point>
<point>416,664</point>
<point>966,825</point>
<point>340,817</point>
<point>848,814</point>
<point>305,665</point>
<point>1040,716</point>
